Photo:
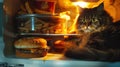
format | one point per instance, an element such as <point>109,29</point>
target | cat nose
<point>84,27</point>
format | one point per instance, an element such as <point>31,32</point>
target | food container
<point>38,23</point>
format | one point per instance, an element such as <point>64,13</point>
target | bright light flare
<point>82,4</point>
<point>65,15</point>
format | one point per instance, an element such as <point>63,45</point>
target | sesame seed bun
<point>31,47</point>
<point>30,43</point>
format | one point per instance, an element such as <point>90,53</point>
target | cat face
<point>92,20</point>
<point>89,23</point>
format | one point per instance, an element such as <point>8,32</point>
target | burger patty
<point>32,50</point>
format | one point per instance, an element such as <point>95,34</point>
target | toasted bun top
<point>31,42</point>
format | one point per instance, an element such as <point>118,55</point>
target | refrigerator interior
<point>36,62</point>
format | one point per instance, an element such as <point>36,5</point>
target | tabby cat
<point>101,37</point>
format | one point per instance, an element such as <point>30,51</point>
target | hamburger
<point>31,47</point>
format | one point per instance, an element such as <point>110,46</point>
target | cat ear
<point>100,9</point>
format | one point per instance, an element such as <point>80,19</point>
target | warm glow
<point>83,4</point>
<point>58,42</point>
<point>69,21</point>
<point>69,17</point>
<point>73,28</point>
<point>49,56</point>
<point>65,16</point>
